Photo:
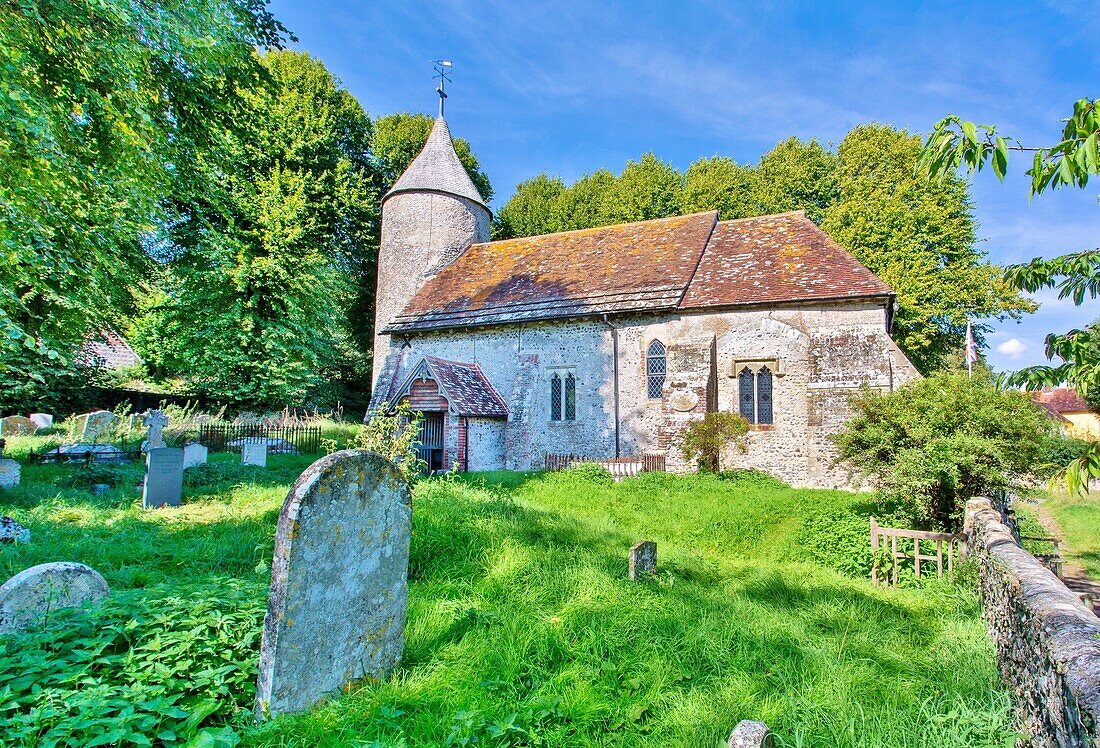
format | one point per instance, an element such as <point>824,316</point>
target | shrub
<point>937,442</point>
<point>707,438</point>
<point>839,540</point>
<point>590,472</point>
<point>393,432</point>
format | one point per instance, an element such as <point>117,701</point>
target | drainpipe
<point>615,376</point>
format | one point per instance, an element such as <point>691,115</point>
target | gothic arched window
<point>555,397</point>
<point>655,370</point>
<point>570,397</point>
<point>746,394</point>
<point>764,395</point>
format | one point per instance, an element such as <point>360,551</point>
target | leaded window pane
<point>655,369</point>
<point>746,397</point>
<point>570,397</point>
<point>764,396</point>
<point>555,398</point>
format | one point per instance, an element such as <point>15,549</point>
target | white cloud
<point>1014,348</point>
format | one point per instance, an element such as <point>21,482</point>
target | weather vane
<point>442,72</point>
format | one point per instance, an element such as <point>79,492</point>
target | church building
<point>608,342</point>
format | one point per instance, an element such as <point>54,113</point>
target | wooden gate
<point>948,546</point>
<point>430,448</point>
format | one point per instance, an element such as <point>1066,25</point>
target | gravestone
<point>750,734</point>
<point>194,454</point>
<point>254,453</point>
<point>13,532</point>
<point>17,426</point>
<point>96,424</point>
<point>163,484</point>
<point>643,560</point>
<point>9,473</point>
<point>42,420</point>
<point>29,597</point>
<point>339,589</point>
<point>155,421</point>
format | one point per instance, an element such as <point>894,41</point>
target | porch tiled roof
<point>464,386</point>
<point>684,262</point>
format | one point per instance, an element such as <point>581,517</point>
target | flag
<point>971,350</point>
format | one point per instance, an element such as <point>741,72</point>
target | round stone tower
<point>432,214</point>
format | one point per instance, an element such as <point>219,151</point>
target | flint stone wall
<point>336,609</point>
<point>1048,642</point>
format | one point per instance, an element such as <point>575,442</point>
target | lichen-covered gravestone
<point>96,424</point>
<point>13,532</point>
<point>17,426</point>
<point>28,598</point>
<point>751,734</point>
<point>254,453</point>
<point>9,473</point>
<point>155,421</point>
<point>643,560</point>
<point>42,420</point>
<point>194,454</point>
<point>336,610</point>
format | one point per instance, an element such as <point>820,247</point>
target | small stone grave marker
<point>42,420</point>
<point>29,597</point>
<point>339,582</point>
<point>163,484</point>
<point>194,454</point>
<point>254,453</point>
<point>155,421</point>
<point>643,560</point>
<point>9,473</point>
<point>750,734</point>
<point>96,424</point>
<point>17,426</point>
<point>13,532</point>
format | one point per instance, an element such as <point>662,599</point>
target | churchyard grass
<point>1078,517</point>
<point>522,629</point>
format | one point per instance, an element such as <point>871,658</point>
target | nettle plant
<point>394,432</point>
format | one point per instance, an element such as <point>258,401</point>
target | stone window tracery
<point>570,397</point>
<point>755,395</point>
<point>555,397</point>
<point>655,369</point>
<point>563,396</point>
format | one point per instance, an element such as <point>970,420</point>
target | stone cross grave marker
<point>163,484</point>
<point>339,589</point>
<point>194,454</point>
<point>17,426</point>
<point>643,560</point>
<point>28,598</point>
<point>254,453</point>
<point>155,421</point>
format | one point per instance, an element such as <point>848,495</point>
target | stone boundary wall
<point>1048,642</point>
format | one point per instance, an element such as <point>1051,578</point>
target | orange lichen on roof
<point>684,262</point>
<point>777,258</point>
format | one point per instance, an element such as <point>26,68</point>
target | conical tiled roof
<point>438,169</point>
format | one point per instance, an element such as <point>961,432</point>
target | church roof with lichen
<point>689,262</point>
<point>438,169</point>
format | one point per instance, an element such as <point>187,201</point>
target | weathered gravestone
<point>42,420</point>
<point>29,597</point>
<point>13,532</point>
<point>9,473</point>
<point>254,453</point>
<point>96,424</point>
<point>750,734</point>
<point>163,484</point>
<point>17,426</point>
<point>643,560</point>
<point>336,610</point>
<point>194,454</point>
<point>155,421</point>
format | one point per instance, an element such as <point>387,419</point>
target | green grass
<point>1079,518</point>
<point>522,627</point>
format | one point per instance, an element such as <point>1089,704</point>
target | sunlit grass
<point>523,629</point>
<point>1079,518</point>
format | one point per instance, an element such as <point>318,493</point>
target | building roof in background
<point>683,262</point>
<point>1062,400</point>
<point>107,349</point>
<point>463,385</point>
<point>438,169</point>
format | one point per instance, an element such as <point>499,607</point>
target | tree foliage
<point>399,138</point>
<point>934,443</point>
<point>956,143</point>
<point>919,237</point>
<point>104,105</point>
<point>704,440</point>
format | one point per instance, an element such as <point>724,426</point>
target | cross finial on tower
<point>442,72</point>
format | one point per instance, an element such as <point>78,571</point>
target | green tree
<point>795,175</point>
<point>919,237</point>
<point>399,138</point>
<point>647,188</point>
<point>529,212</point>
<point>103,106</point>
<point>581,205</point>
<point>264,269</point>
<point>718,183</point>
<point>937,442</point>
<point>1070,162</point>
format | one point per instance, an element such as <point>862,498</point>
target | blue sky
<point>567,88</point>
